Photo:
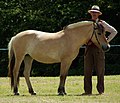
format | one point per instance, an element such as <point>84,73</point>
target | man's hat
<point>95,8</point>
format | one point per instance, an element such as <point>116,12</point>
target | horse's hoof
<point>16,94</point>
<point>62,94</point>
<point>65,93</point>
<point>33,93</point>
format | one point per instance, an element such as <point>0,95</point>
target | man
<point>95,58</point>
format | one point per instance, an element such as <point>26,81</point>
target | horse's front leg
<point>61,89</point>
<point>63,74</point>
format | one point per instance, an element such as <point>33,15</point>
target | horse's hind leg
<point>18,62</point>
<point>63,73</point>
<point>28,63</point>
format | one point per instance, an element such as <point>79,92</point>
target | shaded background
<point>52,16</point>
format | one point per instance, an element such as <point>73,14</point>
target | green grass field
<point>46,89</point>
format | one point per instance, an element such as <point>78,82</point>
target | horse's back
<point>41,46</point>
<point>29,36</point>
<point>29,33</point>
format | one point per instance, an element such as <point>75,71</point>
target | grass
<point>46,89</point>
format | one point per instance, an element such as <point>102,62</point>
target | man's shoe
<point>100,93</point>
<point>86,94</point>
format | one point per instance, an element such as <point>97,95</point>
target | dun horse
<point>60,47</point>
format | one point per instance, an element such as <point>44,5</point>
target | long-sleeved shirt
<point>109,29</point>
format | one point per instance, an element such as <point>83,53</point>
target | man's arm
<point>109,29</point>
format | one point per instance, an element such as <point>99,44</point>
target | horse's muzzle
<point>106,47</point>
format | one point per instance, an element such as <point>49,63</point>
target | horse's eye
<point>99,33</point>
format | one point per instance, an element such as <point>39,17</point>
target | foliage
<point>50,16</point>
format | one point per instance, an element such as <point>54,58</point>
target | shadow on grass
<point>55,95</point>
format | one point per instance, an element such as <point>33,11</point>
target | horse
<point>58,47</point>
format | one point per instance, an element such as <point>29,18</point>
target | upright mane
<point>78,24</point>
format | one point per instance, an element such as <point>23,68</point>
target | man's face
<point>94,15</point>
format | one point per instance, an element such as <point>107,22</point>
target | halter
<point>94,32</point>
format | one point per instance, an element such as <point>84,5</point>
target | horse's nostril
<point>106,48</point>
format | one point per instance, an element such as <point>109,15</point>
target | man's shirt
<point>109,29</point>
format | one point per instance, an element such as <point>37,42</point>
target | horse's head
<point>99,38</point>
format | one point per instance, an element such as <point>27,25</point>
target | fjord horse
<point>60,47</point>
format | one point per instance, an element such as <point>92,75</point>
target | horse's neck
<point>81,36</point>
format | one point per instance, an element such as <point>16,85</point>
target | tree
<point>51,16</point>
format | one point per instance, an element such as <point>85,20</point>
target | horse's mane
<point>84,22</point>
<point>78,24</point>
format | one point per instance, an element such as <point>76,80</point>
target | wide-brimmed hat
<point>95,8</point>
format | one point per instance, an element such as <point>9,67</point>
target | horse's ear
<point>100,26</point>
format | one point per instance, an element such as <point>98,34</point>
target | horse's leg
<point>63,73</point>
<point>15,75</point>
<point>28,63</point>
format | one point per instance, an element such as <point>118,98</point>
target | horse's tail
<point>11,63</point>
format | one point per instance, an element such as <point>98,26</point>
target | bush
<point>51,16</point>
